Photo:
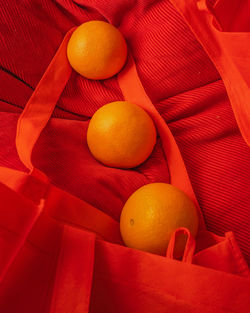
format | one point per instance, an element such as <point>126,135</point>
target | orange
<point>153,213</point>
<point>121,134</point>
<point>97,50</point>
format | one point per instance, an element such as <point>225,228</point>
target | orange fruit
<point>97,50</point>
<point>121,134</point>
<point>153,213</point>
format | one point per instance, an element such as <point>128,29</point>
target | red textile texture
<point>179,78</point>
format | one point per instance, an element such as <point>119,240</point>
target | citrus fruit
<point>121,134</point>
<point>153,213</point>
<point>97,50</point>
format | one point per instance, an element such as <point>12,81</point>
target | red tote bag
<point>60,254</point>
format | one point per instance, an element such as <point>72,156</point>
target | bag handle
<point>189,247</point>
<point>75,268</point>
<point>40,106</point>
<point>133,91</point>
<point>33,120</point>
<point>228,51</point>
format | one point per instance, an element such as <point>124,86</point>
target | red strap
<point>189,247</point>
<point>12,178</point>
<point>72,289</point>
<point>229,52</point>
<point>133,91</point>
<point>40,107</point>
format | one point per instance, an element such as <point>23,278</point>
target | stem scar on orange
<point>153,213</point>
<point>121,134</point>
<point>97,50</point>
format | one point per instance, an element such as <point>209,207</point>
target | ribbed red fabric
<point>177,75</point>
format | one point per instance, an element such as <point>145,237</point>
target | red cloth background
<point>178,77</point>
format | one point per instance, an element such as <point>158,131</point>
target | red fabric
<point>177,75</point>
<point>61,281</point>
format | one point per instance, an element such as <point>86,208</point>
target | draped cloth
<point>189,67</point>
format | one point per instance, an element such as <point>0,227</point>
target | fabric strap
<point>73,283</point>
<point>133,91</point>
<point>228,51</point>
<point>189,247</point>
